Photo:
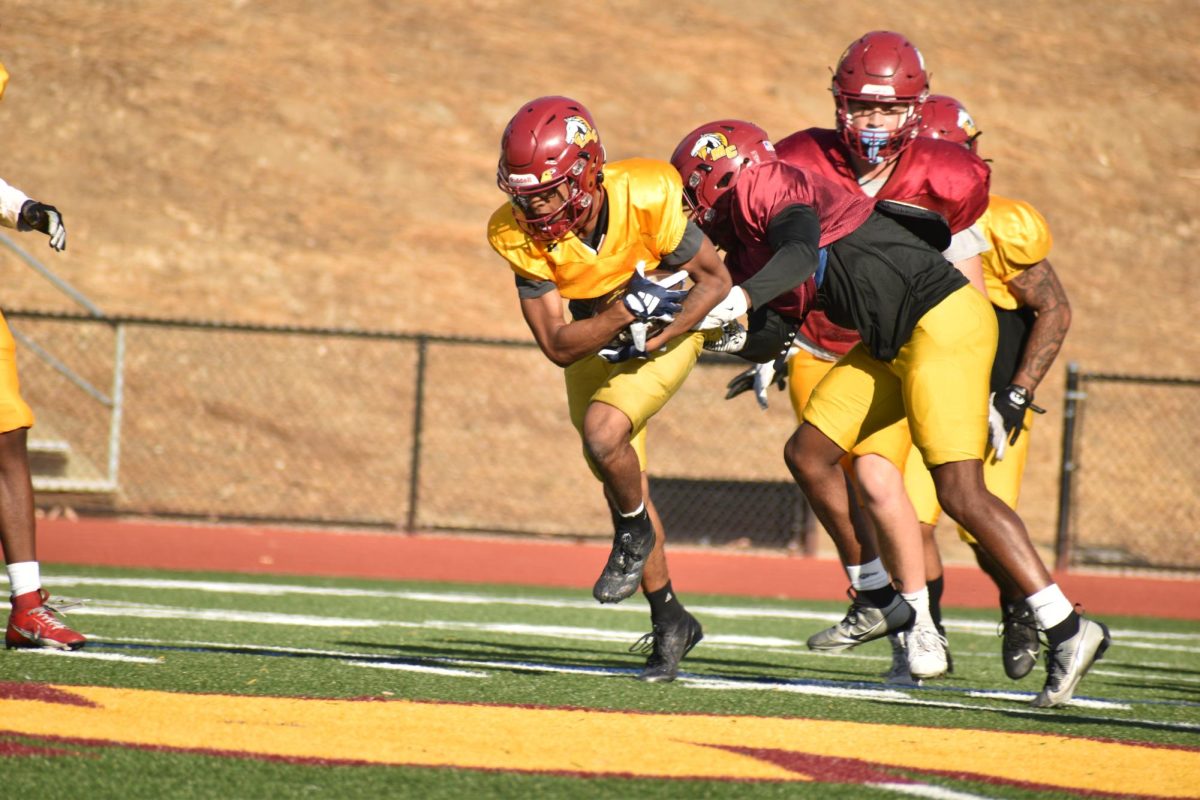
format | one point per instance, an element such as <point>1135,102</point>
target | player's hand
<point>997,435</point>
<point>733,339</point>
<point>647,300</point>
<point>1006,416</point>
<point>759,378</point>
<point>615,354</point>
<point>45,218</point>
<point>728,310</point>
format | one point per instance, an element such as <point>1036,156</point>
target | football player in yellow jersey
<point>1034,316</point>
<point>580,230</point>
<point>31,622</point>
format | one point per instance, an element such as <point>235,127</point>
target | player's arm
<point>565,342</point>
<point>794,235</point>
<point>1039,289</point>
<point>710,284</point>
<point>964,253</point>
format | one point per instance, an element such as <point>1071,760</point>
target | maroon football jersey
<point>762,191</point>
<point>931,173</point>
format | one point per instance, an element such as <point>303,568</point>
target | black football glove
<point>1006,416</point>
<point>761,376</point>
<point>41,217</point>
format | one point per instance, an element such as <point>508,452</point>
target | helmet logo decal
<point>966,123</point>
<point>579,132</point>
<point>547,176</point>
<point>713,147</point>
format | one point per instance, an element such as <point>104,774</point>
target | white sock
<point>1050,606</point>
<point>641,507</point>
<point>865,577</point>
<point>920,603</point>
<point>24,576</point>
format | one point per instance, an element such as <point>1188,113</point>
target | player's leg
<point>31,622</point>
<point>849,404</point>
<point>923,646</point>
<point>1018,628</point>
<point>944,368</point>
<point>674,631</point>
<point>856,545</point>
<point>638,390</point>
<point>918,486</point>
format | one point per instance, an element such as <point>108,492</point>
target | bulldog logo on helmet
<point>579,132</point>
<point>713,147</point>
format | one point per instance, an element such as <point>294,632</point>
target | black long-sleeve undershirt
<point>794,235</point>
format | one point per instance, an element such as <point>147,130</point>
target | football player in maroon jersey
<point>795,239</point>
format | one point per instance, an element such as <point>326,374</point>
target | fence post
<point>414,471</point>
<point>1062,545</point>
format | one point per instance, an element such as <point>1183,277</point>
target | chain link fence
<point>409,432</point>
<point>359,428</point>
<point>1130,493</point>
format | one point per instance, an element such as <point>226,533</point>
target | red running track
<point>537,562</point>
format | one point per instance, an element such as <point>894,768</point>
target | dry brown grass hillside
<point>332,163</point>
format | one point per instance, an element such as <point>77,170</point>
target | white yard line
<point>88,654</point>
<point>974,627</point>
<point>450,673</point>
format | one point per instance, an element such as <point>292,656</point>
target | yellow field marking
<point>586,742</point>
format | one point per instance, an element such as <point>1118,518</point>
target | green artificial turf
<point>535,647</point>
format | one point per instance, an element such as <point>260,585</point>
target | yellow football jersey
<point>646,221</point>
<point>1019,237</point>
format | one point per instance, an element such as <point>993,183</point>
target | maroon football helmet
<point>943,117</point>
<point>884,67</point>
<point>549,142</point>
<point>710,159</point>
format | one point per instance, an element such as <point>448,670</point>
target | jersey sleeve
<point>663,208</point>
<point>761,192</point>
<point>958,183</point>
<point>1020,237</point>
<point>511,244</point>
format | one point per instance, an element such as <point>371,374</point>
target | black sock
<point>936,587</point>
<point>880,597</point>
<point>1063,630</point>
<point>664,605</point>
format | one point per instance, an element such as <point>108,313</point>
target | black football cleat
<point>668,644</point>
<point>632,544</point>
<point>1020,644</point>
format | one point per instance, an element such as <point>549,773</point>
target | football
<point>615,296</point>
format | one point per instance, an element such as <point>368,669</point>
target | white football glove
<point>728,310</point>
<point>997,433</point>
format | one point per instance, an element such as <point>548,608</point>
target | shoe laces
<point>44,616</point>
<point>1012,620</point>
<point>923,638</point>
<point>45,613</point>
<point>647,644</point>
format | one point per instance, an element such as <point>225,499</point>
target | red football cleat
<point>32,623</point>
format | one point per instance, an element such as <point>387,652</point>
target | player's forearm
<point>1045,340</point>
<point>578,340</point>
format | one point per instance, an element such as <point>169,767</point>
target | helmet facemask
<point>876,145</point>
<point>571,215</point>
